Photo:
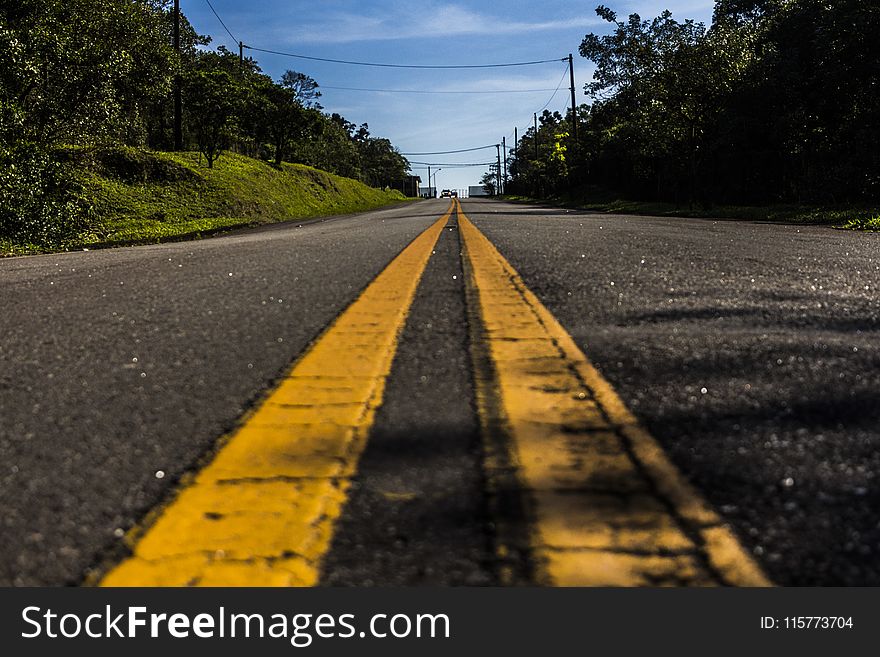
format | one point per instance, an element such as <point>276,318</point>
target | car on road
<point>446,194</point>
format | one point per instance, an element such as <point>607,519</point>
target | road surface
<point>461,393</point>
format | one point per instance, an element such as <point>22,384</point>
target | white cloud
<point>446,20</point>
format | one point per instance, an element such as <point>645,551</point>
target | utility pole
<point>498,174</point>
<point>430,195</point>
<point>178,100</point>
<point>504,150</point>
<point>574,121</point>
<point>574,126</point>
<point>536,136</point>
<point>241,55</point>
<point>537,177</point>
<point>516,153</point>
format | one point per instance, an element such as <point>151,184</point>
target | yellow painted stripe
<point>607,506</point>
<point>262,512</point>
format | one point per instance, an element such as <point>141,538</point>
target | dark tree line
<point>775,101</point>
<point>88,72</point>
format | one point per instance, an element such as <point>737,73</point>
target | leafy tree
<point>280,117</point>
<point>81,70</point>
<point>304,88</point>
<point>489,181</point>
<point>326,145</point>
<point>381,164</point>
<point>547,171</point>
<point>212,101</point>
<point>40,200</point>
<point>775,101</point>
<point>656,77</point>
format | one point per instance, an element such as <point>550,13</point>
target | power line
<point>509,148</point>
<point>558,87</point>
<point>417,91</point>
<point>427,91</point>
<point>461,150</point>
<point>547,104</point>
<point>453,164</point>
<point>222,23</point>
<point>388,65</point>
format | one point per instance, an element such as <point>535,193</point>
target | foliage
<point>539,166</point>
<point>489,181</point>
<point>213,96</point>
<point>98,72</point>
<point>143,196</point>
<point>864,223</point>
<point>83,69</point>
<point>40,199</point>
<point>776,101</point>
<point>304,89</point>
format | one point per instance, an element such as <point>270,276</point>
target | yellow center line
<point>263,511</point>
<point>606,505</point>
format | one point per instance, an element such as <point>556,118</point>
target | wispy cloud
<point>445,20</point>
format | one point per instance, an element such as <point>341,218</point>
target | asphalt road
<point>748,350</point>
<point>119,369</point>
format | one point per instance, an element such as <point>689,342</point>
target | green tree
<point>489,181</point>
<point>83,70</point>
<point>212,100</point>
<point>326,145</point>
<point>304,88</point>
<point>776,101</point>
<point>280,117</point>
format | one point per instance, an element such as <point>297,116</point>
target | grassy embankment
<point>142,197</point>
<point>849,218</point>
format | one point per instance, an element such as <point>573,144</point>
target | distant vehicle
<point>446,194</point>
<point>454,193</point>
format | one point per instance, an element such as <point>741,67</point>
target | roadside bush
<point>41,201</point>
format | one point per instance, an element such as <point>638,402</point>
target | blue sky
<point>429,32</point>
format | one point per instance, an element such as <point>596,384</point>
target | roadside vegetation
<point>87,123</point>
<point>137,196</point>
<point>866,223</point>
<point>850,217</point>
<point>773,110</point>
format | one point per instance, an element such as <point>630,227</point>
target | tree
<point>489,181</point>
<point>381,164</point>
<point>304,88</point>
<point>776,101</point>
<point>83,70</point>
<point>211,102</point>
<point>656,77</point>
<point>278,117</point>
<point>326,145</point>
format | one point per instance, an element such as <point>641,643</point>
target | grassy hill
<point>142,196</point>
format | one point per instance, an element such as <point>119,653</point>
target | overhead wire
<point>558,87</point>
<point>228,31</point>
<point>460,150</point>
<point>417,91</point>
<point>430,91</point>
<point>391,65</point>
<point>509,148</point>
<point>452,164</point>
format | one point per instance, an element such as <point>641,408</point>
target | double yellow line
<point>602,504</point>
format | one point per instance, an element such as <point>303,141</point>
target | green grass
<point>845,217</point>
<point>863,223</point>
<point>142,197</point>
